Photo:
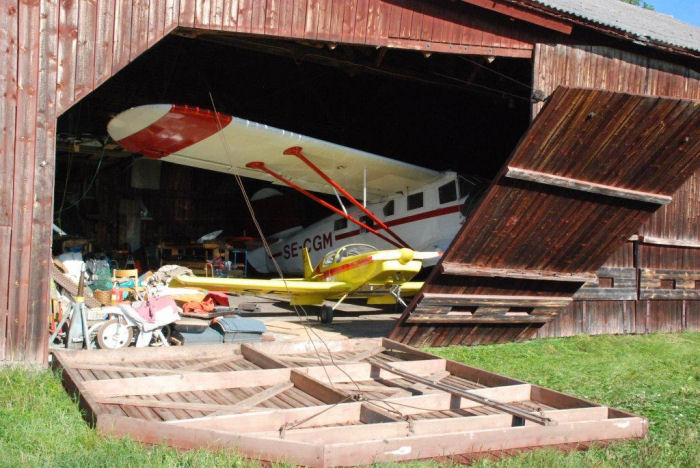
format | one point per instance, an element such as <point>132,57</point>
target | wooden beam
<point>386,429</point>
<point>511,11</point>
<point>585,186</point>
<point>470,49</point>
<point>491,319</point>
<point>210,363</point>
<point>154,432</point>
<point>471,441</point>
<point>168,404</point>
<point>261,359</point>
<point>318,389</point>
<point>462,393</point>
<point>478,300</point>
<point>688,243</point>
<point>461,269</point>
<point>131,369</point>
<point>188,382</point>
<point>255,400</point>
<point>274,419</point>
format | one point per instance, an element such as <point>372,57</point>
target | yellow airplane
<point>352,271</point>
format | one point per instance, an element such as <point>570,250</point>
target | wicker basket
<point>105,297</point>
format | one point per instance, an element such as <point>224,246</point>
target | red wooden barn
<point>631,216</point>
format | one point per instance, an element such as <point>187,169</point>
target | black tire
<point>112,335</point>
<point>326,314</point>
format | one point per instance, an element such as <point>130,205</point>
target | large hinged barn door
<point>590,170</point>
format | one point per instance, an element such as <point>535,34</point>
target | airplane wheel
<point>326,314</point>
<point>114,335</point>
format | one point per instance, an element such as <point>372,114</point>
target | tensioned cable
<point>308,329</point>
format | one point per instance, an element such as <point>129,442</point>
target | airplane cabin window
<point>414,201</point>
<point>388,209</point>
<point>447,192</point>
<point>340,223</point>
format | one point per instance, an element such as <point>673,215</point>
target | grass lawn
<point>656,376</point>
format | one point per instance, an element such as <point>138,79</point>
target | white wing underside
<point>243,141</point>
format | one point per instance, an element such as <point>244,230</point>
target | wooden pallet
<point>376,400</point>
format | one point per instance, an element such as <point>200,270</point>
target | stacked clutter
<point>94,305</point>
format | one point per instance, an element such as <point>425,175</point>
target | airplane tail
<point>308,266</point>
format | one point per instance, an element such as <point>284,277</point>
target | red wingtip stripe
<point>181,127</point>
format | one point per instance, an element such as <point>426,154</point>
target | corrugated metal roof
<point>646,25</point>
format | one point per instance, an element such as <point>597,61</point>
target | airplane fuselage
<point>427,219</point>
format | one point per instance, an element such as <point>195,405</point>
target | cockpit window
<point>328,259</point>
<point>353,249</point>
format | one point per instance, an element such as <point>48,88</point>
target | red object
<point>196,307</point>
<point>261,166</point>
<point>219,297</point>
<point>181,127</point>
<point>296,151</point>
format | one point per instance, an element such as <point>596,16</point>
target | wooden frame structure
<point>371,400</point>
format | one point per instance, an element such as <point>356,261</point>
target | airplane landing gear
<point>326,314</point>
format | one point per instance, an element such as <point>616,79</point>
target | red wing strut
<point>297,151</point>
<point>261,166</point>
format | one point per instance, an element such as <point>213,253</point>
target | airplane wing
<point>191,136</point>
<point>297,291</point>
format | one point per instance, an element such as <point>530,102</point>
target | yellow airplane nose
<point>406,256</point>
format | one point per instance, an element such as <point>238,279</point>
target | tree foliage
<point>640,3</point>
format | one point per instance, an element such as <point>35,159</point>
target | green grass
<point>656,376</point>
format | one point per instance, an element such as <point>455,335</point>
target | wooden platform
<point>378,400</point>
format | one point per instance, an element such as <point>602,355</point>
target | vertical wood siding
<point>606,68</point>
<point>610,69</point>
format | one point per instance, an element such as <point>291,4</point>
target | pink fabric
<point>148,309</point>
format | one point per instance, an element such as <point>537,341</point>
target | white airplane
<point>402,205</point>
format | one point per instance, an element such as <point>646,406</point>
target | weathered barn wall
<point>610,69</point>
<point>619,307</point>
<point>54,53</point>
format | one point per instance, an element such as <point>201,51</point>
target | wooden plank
<point>317,388</point>
<point>9,46</point>
<point>104,40</point>
<point>85,49</point>
<point>152,432</point>
<point>132,369</point>
<point>274,419</point>
<point>44,178</point>
<point>123,13</point>
<point>386,429</point>
<point>687,243</point>
<point>174,354</point>
<point>476,300</point>
<point>460,269</point>
<point>585,186</point>
<point>670,294</point>
<point>5,233</point>
<point>28,59</point>
<point>67,46</point>
<point>185,382</point>
<point>261,359</point>
<point>167,404</point>
<point>426,446</point>
<point>529,16</point>
<point>256,399</point>
<point>493,319</point>
<point>210,363</point>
